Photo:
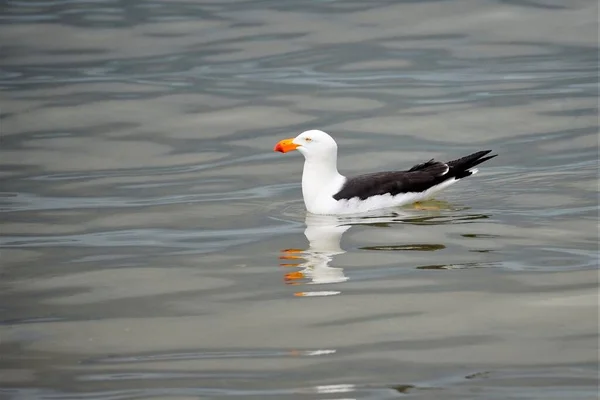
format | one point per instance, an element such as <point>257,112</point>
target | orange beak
<point>292,276</point>
<point>285,145</point>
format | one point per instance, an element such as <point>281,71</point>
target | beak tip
<point>285,145</point>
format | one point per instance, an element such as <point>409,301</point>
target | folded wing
<point>418,179</point>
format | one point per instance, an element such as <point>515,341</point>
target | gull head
<point>313,144</point>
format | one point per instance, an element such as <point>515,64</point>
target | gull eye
<point>308,139</point>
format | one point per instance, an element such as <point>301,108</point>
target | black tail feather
<point>460,168</point>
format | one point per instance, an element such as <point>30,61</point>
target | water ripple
<point>22,201</point>
<point>152,238</point>
<point>211,355</point>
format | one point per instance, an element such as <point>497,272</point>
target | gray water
<point>155,247</point>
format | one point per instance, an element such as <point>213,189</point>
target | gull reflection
<point>324,234</point>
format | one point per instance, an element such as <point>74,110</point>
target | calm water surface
<point>154,247</point>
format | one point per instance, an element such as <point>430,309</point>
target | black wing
<point>417,179</point>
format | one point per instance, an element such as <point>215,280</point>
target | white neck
<point>320,181</point>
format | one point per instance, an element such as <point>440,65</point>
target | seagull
<point>326,191</point>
